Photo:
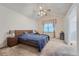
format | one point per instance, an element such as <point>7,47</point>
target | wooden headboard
<point>19,32</point>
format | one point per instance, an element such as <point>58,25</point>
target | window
<point>48,27</point>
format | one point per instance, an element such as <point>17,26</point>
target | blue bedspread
<point>41,39</point>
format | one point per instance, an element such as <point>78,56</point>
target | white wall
<point>3,26</point>
<point>11,20</point>
<point>70,25</point>
<point>78,28</point>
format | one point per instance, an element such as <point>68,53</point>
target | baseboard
<point>3,45</point>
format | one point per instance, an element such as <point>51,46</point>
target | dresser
<point>12,41</point>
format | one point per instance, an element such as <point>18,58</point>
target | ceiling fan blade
<point>48,9</point>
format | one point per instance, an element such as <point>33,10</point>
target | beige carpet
<point>57,47</point>
<point>54,47</point>
<point>19,50</point>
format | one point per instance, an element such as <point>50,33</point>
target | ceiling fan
<point>43,12</point>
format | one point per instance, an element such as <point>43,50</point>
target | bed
<point>32,39</point>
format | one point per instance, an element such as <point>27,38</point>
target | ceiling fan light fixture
<point>40,8</point>
<point>43,12</point>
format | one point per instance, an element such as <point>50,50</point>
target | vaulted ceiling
<point>31,9</point>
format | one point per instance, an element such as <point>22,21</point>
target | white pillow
<point>34,31</point>
<point>25,32</point>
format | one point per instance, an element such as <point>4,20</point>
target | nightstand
<point>12,41</point>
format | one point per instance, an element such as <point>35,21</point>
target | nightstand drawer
<point>11,41</point>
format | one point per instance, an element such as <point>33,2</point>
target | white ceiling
<point>31,9</point>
